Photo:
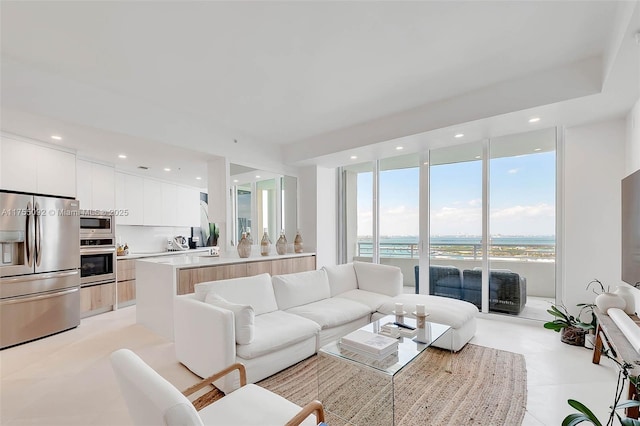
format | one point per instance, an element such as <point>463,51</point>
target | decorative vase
<point>606,301</point>
<point>281,244</point>
<point>573,336</point>
<point>244,246</point>
<point>297,243</point>
<point>265,243</point>
<point>629,299</point>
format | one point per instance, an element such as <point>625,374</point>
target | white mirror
<point>262,200</point>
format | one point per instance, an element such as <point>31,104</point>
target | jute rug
<point>476,386</point>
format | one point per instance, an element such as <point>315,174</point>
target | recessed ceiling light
<point>426,163</point>
<point>122,156</point>
<point>56,137</point>
<point>235,181</point>
<point>538,149</point>
<point>354,157</point>
<point>257,176</point>
<point>399,148</point>
<point>534,119</point>
<point>458,135</point>
<point>167,169</point>
<point>198,178</point>
<point>478,157</point>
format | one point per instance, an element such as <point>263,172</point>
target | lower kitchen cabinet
<point>97,299</point>
<point>126,281</point>
<point>189,277</point>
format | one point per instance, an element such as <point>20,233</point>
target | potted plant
<point>606,299</point>
<point>572,330</point>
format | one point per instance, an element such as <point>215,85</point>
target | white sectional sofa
<point>270,323</point>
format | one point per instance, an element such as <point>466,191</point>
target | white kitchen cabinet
<point>152,194</point>
<point>129,199</point>
<point>18,168</point>
<point>29,167</point>
<point>103,187</point>
<point>95,186</point>
<point>189,207</point>
<point>169,204</point>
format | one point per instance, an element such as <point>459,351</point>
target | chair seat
<point>252,405</point>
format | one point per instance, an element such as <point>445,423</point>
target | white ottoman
<point>458,314</point>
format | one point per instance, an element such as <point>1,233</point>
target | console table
<point>608,335</point>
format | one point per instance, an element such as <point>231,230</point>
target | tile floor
<point>66,379</point>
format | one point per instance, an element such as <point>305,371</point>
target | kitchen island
<point>160,280</point>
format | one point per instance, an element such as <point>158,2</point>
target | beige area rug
<point>484,387</point>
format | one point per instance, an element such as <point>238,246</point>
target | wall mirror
<point>262,200</point>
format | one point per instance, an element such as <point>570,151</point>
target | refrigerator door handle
<point>38,232</point>
<point>29,238</point>
<point>24,278</point>
<point>39,297</point>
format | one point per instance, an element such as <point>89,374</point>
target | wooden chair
<point>151,399</point>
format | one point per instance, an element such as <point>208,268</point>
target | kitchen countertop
<point>197,261</point>
<point>164,253</point>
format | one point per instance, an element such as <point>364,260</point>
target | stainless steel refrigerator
<point>39,266</point>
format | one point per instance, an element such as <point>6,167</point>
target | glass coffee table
<point>361,389</point>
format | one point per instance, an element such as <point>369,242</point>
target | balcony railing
<point>462,251</point>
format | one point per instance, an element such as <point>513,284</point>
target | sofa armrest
<point>204,338</point>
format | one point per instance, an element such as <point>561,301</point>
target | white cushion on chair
<point>252,405</point>
<point>300,288</point>
<point>341,278</point>
<point>150,398</point>
<point>383,279</point>
<point>256,291</point>
<point>244,317</point>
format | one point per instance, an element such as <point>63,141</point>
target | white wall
<point>593,168</point>
<point>317,218</point>
<point>632,157</point>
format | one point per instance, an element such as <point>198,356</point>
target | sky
<point>522,198</point>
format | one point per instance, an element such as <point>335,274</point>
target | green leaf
<point>628,404</point>
<point>574,419</point>
<point>629,422</point>
<point>584,410</point>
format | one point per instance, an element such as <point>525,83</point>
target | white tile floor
<point>66,379</point>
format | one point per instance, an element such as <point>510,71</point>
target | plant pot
<point>573,336</point>
<point>606,301</point>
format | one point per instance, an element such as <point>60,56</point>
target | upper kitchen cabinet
<point>129,200</point>
<point>152,195</point>
<point>29,167</point>
<point>96,186</point>
<point>154,203</point>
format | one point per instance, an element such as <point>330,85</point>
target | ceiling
<point>274,85</point>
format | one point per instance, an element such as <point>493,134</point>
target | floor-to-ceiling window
<point>522,223</point>
<point>357,213</point>
<point>455,220</point>
<point>490,218</point>
<point>399,214</point>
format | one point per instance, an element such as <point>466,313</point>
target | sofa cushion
<point>369,298</point>
<point>300,288</point>
<point>256,291</point>
<point>383,279</point>
<point>275,331</point>
<point>442,310</point>
<point>244,317</point>
<point>341,278</point>
<point>332,312</point>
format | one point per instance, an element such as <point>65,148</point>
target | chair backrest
<point>150,398</point>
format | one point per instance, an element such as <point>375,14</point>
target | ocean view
<point>464,247</point>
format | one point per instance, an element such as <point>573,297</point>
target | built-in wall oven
<point>97,250</point>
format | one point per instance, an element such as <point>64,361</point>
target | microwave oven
<point>96,226</point>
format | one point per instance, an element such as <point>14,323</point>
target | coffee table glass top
<point>408,349</point>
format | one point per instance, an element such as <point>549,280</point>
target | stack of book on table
<point>369,344</point>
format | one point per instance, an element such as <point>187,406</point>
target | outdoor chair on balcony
<point>507,290</point>
<point>444,281</point>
